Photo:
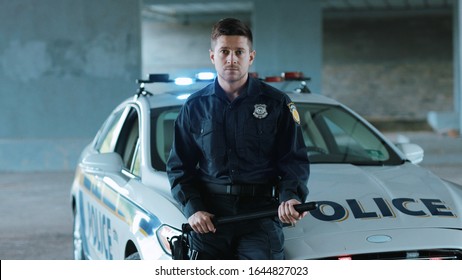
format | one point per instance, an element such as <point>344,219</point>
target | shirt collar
<point>252,87</point>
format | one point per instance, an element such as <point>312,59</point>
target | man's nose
<point>231,59</point>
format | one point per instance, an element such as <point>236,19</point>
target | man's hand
<point>287,213</point>
<point>201,222</point>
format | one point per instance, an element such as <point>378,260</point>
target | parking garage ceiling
<point>200,11</point>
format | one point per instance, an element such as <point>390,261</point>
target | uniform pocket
<point>212,139</point>
<point>206,127</point>
<point>259,137</point>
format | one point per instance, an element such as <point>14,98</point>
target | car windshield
<point>331,133</point>
<point>334,135</point>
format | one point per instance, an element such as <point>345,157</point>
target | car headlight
<point>164,233</point>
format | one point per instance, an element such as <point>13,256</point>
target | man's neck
<point>232,90</point>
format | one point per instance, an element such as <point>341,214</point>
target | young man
<point>237,147</point>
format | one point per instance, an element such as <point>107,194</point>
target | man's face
<point>232,58</point>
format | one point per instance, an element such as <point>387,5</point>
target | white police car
<point>373,201</point>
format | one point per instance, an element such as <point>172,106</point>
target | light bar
<point>183,96</point>
<point>205,76</point>
<point>183,81</point>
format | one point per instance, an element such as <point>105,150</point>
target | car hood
<point>376,205</point>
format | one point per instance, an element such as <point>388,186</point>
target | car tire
<point>133,257</point>
<point>77,235</point>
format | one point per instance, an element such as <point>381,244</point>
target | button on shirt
<point>251,140</point>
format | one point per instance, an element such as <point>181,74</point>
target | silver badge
<point>260,111</point>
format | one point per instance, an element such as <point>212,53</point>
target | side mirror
<point>413,152</point>
<point>106,162</point>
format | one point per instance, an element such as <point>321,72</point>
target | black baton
<point>308,206</point>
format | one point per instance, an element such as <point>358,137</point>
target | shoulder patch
<point>294,112</point>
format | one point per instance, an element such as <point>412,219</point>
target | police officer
<point>238,147</point>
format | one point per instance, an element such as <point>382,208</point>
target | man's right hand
<point>201,222</point>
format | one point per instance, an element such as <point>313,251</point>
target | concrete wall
<point>287,37</point>
<point>390,68</point>
<point>64,65</point>
<point>176,48</point>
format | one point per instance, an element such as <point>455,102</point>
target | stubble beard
<point>233,77</point>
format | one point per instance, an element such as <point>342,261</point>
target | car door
<point>105,201</point>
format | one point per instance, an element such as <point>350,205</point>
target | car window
<point>136,163</point>
<point>127,143</point>
<point>106,137</point>
<point>162,121</point>
<point>334,135</point>
<point>331,134</point>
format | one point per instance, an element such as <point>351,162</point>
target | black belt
<point>241,190</point>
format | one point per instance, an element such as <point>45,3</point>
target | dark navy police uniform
<point>233,157</point>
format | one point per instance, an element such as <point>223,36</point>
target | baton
<point>308,206</point>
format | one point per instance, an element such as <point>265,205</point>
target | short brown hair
<point>230,27</point>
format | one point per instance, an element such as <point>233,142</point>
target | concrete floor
<point>442,154</point>
<point>36,217</point>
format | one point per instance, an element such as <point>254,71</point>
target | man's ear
<point>252,56</point>
<point>212,56</point>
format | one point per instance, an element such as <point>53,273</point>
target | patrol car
<point>374,201</point>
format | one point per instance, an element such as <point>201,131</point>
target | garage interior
<point>66,64</point>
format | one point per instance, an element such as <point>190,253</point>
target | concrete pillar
<point>64,65</point>
<point>450,122</point>
<point>288,37</point>
<point>458,62</point>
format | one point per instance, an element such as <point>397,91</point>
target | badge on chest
<point>260,111</point>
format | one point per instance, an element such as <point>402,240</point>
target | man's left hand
<point>287,213</point>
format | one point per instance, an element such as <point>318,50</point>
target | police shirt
<point>255,139</point>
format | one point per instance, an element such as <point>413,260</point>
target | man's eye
<point>225,52</point>
<point>239,52</point>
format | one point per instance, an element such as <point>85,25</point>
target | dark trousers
<point>248,240</point>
